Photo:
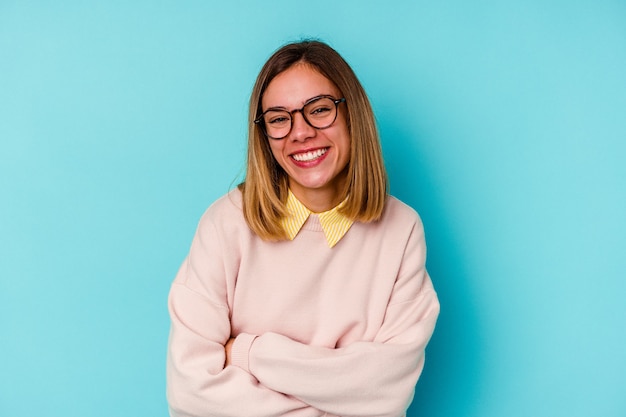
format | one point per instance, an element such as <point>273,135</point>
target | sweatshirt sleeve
<point>198,385</point>
<point>369,378</point>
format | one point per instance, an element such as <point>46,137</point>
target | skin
<point>317,183</point>
<point>228,348</point>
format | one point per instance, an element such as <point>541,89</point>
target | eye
<point>276,118</point>
<point>320,110</point>
<point>280,119</point>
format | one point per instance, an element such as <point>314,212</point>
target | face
<point>314,159</point>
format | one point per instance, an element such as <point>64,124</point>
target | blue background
<point>503,123</point>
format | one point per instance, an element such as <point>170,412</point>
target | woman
<point>305,291</point>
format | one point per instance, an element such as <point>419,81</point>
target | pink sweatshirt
<point>319,331</point>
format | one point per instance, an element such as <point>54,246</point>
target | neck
<point>317,200</point>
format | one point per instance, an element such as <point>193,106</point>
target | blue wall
<point>503,124</point>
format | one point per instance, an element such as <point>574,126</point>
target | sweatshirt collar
<point>334,224</point>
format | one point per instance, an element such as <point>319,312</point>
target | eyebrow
<point>310,100</point>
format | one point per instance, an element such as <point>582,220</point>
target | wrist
<point>240,351</point>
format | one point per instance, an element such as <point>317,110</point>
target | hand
<point>227,348</point>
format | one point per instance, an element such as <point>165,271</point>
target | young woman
<point>305,291</point>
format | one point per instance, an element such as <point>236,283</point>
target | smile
<point>309,156</point>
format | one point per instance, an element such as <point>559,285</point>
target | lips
<point>309,156</point>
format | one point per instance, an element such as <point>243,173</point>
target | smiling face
<point>315,160</point>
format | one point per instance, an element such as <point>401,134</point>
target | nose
<point>300,129</point>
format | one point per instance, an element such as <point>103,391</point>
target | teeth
<point>309,156</point>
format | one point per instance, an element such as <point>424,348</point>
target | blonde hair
<point>265,187</point>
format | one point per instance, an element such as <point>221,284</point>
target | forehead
<point>294,86</point>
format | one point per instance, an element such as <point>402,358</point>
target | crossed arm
<point>214,373</point>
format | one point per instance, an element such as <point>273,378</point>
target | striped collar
<point>334,224</point>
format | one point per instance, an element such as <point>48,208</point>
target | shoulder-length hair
<point>265,187</point>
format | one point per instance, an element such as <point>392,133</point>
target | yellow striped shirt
<point>334,224</point>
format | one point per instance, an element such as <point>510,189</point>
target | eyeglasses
<point>319,112</point>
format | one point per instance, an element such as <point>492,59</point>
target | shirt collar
<point>334,224</point>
